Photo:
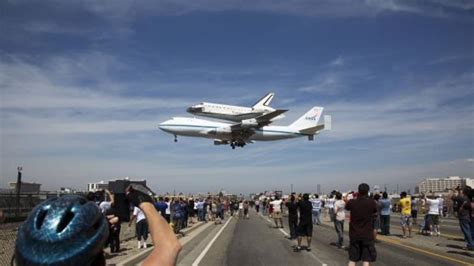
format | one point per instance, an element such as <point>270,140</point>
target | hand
<point>137,194</point>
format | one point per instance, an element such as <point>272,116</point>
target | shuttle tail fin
<point>264,101</point>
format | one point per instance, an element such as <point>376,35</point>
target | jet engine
<point>249,123</point>
<point>220,142</point>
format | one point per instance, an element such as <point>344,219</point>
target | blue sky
<point>85,84</point>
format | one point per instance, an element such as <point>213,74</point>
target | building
<point>116,186</point>
<point>94,187</point>
<point>430,185</point>
<point>26,187</point>
<point>470,182</point>
<point>66,190</point>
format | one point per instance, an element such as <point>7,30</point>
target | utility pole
<point>18,189</point>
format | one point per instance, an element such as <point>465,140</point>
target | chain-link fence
<point>8,238</point>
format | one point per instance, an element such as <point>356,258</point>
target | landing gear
<point>175,138</point>
<point>234,144</point>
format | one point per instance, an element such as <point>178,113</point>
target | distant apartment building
<point>441,184</point>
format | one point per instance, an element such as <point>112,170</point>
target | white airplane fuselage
<point>193,127</point>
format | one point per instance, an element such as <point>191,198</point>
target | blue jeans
<point>331,214</point>
<point>200,214</point>
<point>385,224</point>
<point>468,231</point>
<point>316,217</point>
<point>339,225</point>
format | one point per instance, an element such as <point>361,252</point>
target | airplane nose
<point>163,125</point>
<point>190,110</point>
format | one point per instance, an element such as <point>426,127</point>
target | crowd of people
<point>369,214</point>
<point>181,212</point>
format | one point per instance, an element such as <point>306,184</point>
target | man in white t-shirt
<point>330,206</point>
<point>441,205</point>
<point>277,216</point>
<point>141,227</point>
<point>316,203</point>
<point>168,210</point>
<point>340,216</point>
<point>433,215</point>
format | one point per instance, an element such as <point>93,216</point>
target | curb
<point>137,258</point>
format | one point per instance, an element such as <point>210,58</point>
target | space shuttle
<point>236,113</point>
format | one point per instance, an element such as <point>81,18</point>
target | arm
<point>166,245</point>
<point>111,196</point>
<point>131,220</point>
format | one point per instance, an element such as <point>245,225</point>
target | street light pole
<point>18,189</point>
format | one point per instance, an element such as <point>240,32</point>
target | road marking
<point>286,234</point>
<point>391,241</point>
<point>206,249</point>
<point>451,236</point>
<point>188,237</point>
<point>283,231</point>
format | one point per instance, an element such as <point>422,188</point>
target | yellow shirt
<point>405,205</point>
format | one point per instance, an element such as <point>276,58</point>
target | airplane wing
<point>257,122</point>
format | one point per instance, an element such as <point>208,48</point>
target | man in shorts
<point>361,227</point>
<point>305,225</point>
<point>277,216</point>
<point>433,215</point>
<point>405,218</point>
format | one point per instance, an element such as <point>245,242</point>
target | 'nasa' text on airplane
<point>235,113</point>
<point>239,134</point>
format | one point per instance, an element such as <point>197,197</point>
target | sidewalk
<point>129,253</point>
<point>445,247</point>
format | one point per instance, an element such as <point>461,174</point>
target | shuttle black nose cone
<point>193,110</point>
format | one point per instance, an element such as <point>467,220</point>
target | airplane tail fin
<point>264,101</point>
<point>308,120</point>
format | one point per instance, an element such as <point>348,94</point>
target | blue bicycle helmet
<point>63,231</point>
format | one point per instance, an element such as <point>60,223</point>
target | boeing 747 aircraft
<point>239,134</point>
<point>235,113</point>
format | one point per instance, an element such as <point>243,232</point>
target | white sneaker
<point>144,245</point>
<point>139,245</point>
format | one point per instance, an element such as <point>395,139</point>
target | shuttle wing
<point>257,122</point>
<point>269,116</point>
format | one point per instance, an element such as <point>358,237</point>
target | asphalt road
<point>256,242</point>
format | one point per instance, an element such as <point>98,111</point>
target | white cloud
<point>339,61</point>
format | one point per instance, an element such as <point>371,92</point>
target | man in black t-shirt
<point>305,225</point>
<point>292,216</point>
<point>464,214</point>
<point>361,227</point>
